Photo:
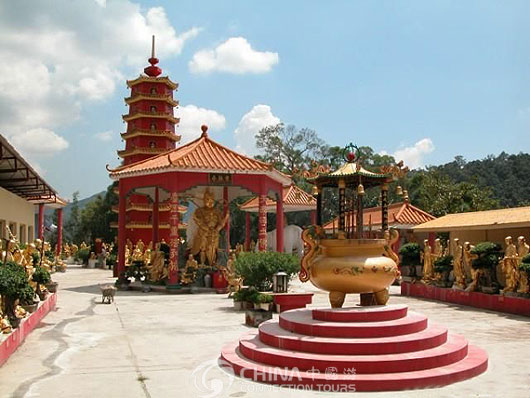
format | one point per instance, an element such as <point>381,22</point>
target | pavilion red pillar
<point>155,217</point>
<point>313,217</point>
<point>279,223</point>
<point>59,232</point>
<point>122,203</point>
<point>247,231</point>
<point>41,222</point>
<point>262,223</point>
<point>173,238</point>
<point>226,210</point>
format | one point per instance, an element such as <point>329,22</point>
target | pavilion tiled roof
<point>479,220</point>
<point>294,199</point>
<point>402,213</point>
<point>200,155</point>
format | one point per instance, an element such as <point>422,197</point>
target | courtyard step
<point>272,334</point>
<point>361,314</point>
<point>453,350</point>
<point>473,364</point>
<point>355,349</point>
<point>301,321</point>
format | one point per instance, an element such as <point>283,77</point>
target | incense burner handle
<point>311,245</point>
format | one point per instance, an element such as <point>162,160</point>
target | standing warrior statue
<point>509,266</point>
<point>209,221</point>
<point>428,269</point>
<point>458,266</point>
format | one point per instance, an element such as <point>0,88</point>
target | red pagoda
<point>150,132</point>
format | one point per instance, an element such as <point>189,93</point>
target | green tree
<point>72,227</point>
<point>96,216</point>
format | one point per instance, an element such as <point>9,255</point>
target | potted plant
<point>487,258</point>
<point>238,300</point>
<point>41,277</point>
<point>27,299</point>
<point>263,302</point>
<point>13,287</point>
<point>410,258</point>
<point>443,266</point>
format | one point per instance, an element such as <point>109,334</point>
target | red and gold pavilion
<point>183,174</point>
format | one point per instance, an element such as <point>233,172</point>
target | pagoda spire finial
<point>153,70</point>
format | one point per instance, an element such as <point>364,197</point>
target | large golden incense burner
<point>352,259</point>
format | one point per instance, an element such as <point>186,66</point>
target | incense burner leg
<point>382,297</point>
<point>336,299</point>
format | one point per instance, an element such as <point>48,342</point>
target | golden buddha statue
<point>458,265</point>
<point>8,254</point>
<point>509,266</point>
<point>157,269</point>
<point>74,249</point>
<point>209,222</point>
<point>522,251</point>
<point>426,257</point>
<point>229,272</point>
<point>83,246</point>
<point>437,252</point>
<point>138,254</point>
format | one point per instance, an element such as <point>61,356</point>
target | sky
<point>423,81</point>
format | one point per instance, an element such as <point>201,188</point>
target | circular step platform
<point>380,348</point>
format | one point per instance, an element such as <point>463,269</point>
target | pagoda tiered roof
<point>151,97</point>
<point>152,79</point>
<point>294,199</point>
<point>200,155</point>
<point>150,115</point>
<point>152,133</point>
<point>140,151</point>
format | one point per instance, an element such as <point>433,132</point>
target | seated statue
<point>229,272</point>
<point>209,222</point>
<point>157,268</point>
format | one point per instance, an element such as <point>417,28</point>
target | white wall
<point>18,213</point>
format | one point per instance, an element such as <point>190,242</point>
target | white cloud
<point>235,55</point>
<point>62,55</point>
<point>250,124</point>
<point>192,118</point>
<point>413,156</point>
<point>39,141</point>
<point>105,136</point>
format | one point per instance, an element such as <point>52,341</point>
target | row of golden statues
<point>462,260</point>
<point>24,257</point>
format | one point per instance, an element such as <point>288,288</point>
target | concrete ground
<point>156,345</point>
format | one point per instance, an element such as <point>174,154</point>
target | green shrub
<point>525,267</point>
<point>27,296</point>
<point>111,259</point>
<point>410,254</point>
<point>41,276</point>
<point>13,286</point>
<point>36,258</point>
<point>526,259</point>
<point>443,264</point>
<point>488,253</point>
<point>137,270</point>
<point>257,269</point>
<point>246,294</point>
<point>83,255</point>
<point>262,298</point>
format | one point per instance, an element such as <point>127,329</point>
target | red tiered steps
<point>380,348</point>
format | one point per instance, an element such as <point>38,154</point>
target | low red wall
<point>17,337</point>
<point>494,302</point>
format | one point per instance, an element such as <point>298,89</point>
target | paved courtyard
<point>156,345</point>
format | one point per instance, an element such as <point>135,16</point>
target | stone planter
<point>489,290</point>
<point>248,305</point>
<point>238,305</point>
<point>255,317</point>
<point>31,308</point>
<point>52,287</point>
